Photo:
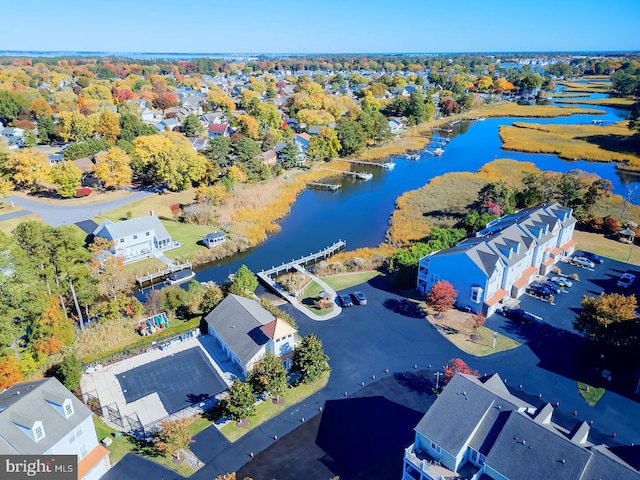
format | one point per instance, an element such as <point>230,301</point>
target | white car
<point>626,280</point>
<point>583,262</point>
<point>562,281</point>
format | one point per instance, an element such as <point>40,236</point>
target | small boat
<point>364,175</point>
<point>437,152</point>
<point>414,156</point>
<point>178,278</point>
<point>481,119</point>
<point>388,165</point>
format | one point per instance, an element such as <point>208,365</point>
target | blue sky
<point>296,26</point>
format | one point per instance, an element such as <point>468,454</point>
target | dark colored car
<point>539,290</point>
<point>597,259</point>
<point>518,315</point>
<point>345,301</point>
<point>555,288</point>
<point>360,298</point>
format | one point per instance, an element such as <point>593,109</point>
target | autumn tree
<point>41,108</point>
<point>170,159</point>
<point>66,176</point>
<point>240,403</point>
<point>11,104</point>
<point>457,365</point>
<point>268,375</point>
<point>108,126</point>
<point>309,359</point>
<point>74,126</point>
<point>173,436</point>
<point>29,166</point>
<point>108,269</point>
<point>10,371</point>
<point>249,126</point>
<point>609,318</point>
<point>164,101</point>
<point>441,297</point>
<point>113,168</point>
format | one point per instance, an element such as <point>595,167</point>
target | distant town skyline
<point>288,26</point>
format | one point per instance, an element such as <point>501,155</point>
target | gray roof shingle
<point>134,226</point>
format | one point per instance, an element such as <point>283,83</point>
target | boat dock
<point>332,187</point>
<point>362,162</point>
<point>306,260</point>
<point>358,175</point>
<point>161,273</point>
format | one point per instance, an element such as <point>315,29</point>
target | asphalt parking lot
<point>602,278</point>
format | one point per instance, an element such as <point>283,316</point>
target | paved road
<point>56,215</point>
<point>390,333</point>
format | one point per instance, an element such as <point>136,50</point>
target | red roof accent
<point>218,127</point>
<point>496,297</point>
<point>94,457</point>
<point>556,251</point>
<point>524,278</point>
<point>569,245</point>
<point>548,261</point>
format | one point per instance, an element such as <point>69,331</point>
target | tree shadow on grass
<point>404,307</point>
<point>615,143</point>
<point>142,447</point>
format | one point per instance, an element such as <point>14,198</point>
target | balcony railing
<point>422,465</point>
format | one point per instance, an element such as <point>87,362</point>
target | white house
<point>214,239</point>
<point>44,418</point>
<point>477,429</point>
<point>137,238</point>
<point>246,332</point>
<point>503,258</point>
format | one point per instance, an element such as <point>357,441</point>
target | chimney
<point>151,213</point>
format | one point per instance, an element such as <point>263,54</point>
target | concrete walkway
<point>276,287</point>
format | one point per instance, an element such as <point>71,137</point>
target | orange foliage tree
<point>10,372</point>
<point>457,365</point>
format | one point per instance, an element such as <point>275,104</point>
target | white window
<point>39,433</point>
<point>435,447</point>
<point>78,432</point>
<point>68,409</point>
<point>82,452</point>
<point>433,278</point>
<point>71,438</point>
<point>476,294</point>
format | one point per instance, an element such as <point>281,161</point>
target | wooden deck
<point>332,187</point>
<point>306,260</point>
<point>161,273</point>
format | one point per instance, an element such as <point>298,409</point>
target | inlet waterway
<point>359,212</point>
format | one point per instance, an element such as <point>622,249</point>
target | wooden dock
<point>306,260</point>
<point>161,273</point>
<point>358,175</point>
<point>362,162</point>
<point>332,187</point>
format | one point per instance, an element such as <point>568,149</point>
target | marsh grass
<point>590,87</point>
<point>609,143</point>
<point>605,102</point>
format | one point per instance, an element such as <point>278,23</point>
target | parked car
<point>555,288</point>
<point>597,259</point>
<point>518,315</point>
<point>583,262</point>
<point>539,291</point>
<point>562,281</point>
<point>360,298</point>
<point>626,280</point>
<point>345,301</point>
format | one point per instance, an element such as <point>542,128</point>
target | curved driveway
<point>56,215</point>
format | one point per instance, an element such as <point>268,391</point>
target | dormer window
<point>38,433</point>
<point>476,294</point>
<point>68,409</point>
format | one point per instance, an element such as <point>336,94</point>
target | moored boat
<point>178,278</point>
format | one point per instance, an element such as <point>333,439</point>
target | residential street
<point>391,333</point>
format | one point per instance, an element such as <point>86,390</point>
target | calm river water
<point>359,212</point>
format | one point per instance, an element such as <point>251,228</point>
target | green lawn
<point>346,280</point>
<point>309,294</point>
<point>267,409</point>
<point>483,346</point>
<point>128,444</point>
<point>590,394</point>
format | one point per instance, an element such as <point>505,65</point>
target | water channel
<point>359,212</point>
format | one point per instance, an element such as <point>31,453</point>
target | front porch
<point>419,465</point>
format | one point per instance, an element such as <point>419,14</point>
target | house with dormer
<point>137,238</point>
<point>246,332</point>
<point>503,259</point>
<point>44,418</point>
<point>476,429</point>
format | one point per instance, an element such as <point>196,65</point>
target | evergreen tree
<point>241,401</point>
<point>309,360</point>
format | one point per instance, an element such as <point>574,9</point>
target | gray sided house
<point>44,418</point>
<point>477,429</point>
<point>137,238</point>
<point>246,332</point>
<point>214,239</point>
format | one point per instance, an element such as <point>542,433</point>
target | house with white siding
<point>503,259</point>
<point>44,418</point>
<point>246,332</point>
<point>476,429</point>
